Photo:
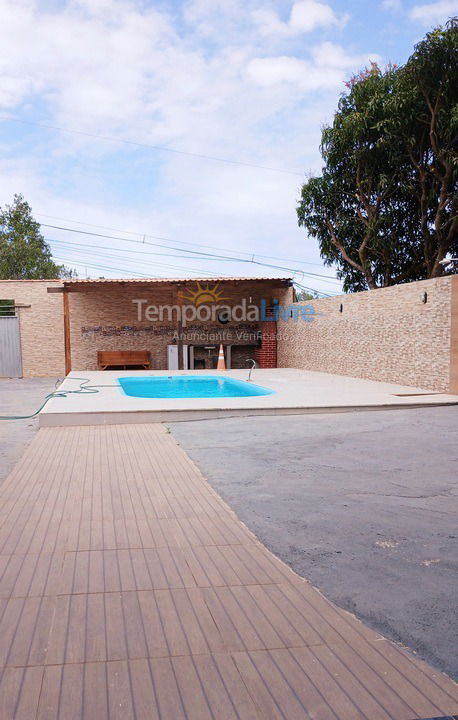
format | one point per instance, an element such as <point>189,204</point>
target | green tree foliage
<point>303,296</point>
<point>24,253</point>
<point>7,308</point>
<point>385,209</point>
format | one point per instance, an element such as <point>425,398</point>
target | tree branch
<point>337,244</point>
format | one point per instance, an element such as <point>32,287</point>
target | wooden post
<point>180,329</point>
<point>67,342</point>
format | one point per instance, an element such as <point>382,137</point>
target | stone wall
<point>388,334</point>
<point>41,326</point>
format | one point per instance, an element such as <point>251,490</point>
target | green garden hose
<point>83,389</point>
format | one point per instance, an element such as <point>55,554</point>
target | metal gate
<point>10,347</point>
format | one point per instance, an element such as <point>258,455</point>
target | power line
<point>70,246</point>
<point>160,148</point>
<point>313,290</point>
<point>111,268</point>
<point>122,250</point>
<point>93,250</point>
<point>202,255</point>
<point>180,242</point>
<point>102,267</point>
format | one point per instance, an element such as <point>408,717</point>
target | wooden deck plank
<point>154,628</point>
<point>289,701</point>
<point>129,589</point>
<point>223,664</point>
<point>95,699</point>
<point>34,621</point>
<point>57,641</point>
<point>71,692</point>
<point>192,692</point>
<point>143,691</point>
<point>396,705</point>
<point>169,700</point>
<point>115,631</point>
<point>263,692</point>
<point>20,693</point>
<point>48,705</point>
<point>120,700</point>
<point>315,700</point>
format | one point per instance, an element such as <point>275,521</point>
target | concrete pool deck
<point>296,392</point>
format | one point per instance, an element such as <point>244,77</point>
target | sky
<point>183,130</point>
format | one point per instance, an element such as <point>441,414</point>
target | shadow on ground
<point>362,504</point>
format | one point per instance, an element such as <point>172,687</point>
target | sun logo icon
<point>204,294</point>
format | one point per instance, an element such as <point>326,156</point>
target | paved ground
<point>362,504</point>
<point>130,591</point>
<point>19,396</point>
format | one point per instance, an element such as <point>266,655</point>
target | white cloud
<point>329,54</point>
<point>305,16</point>
<point>300,74</point>
<point>434,12</point>
<point>88,65</point>
<point>269,23</point>
<point>327,69</point>
<point>274,70</point>
<point>200,78</point>
<point>391,4</point>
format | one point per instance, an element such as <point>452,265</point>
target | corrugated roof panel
<point>91,281</point>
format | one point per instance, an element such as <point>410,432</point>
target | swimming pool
<point>190,386</point>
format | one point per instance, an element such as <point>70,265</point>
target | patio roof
<point>173,281</point>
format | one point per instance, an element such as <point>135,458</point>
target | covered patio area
<point>180,324</point>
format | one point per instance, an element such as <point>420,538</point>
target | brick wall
<point>266,354</point>
<point>387,334</point>
<point>41,326</point>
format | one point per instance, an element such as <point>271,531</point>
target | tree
<point>428,110</point>
<point>384,210</point>
<point>24,253</point>
<point>304,295</point>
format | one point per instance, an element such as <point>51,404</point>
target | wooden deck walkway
<point>128,589</point>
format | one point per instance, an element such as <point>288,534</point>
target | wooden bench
<point>123,358</point>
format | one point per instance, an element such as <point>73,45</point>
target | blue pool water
<point>189,386</point>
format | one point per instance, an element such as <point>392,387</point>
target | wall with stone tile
<point>41,326</point>
<point>387,334</point>
<point>454,338</point>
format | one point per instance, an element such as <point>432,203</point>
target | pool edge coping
<point>124,417</point>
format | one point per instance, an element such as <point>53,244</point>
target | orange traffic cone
<point>221,362</point>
